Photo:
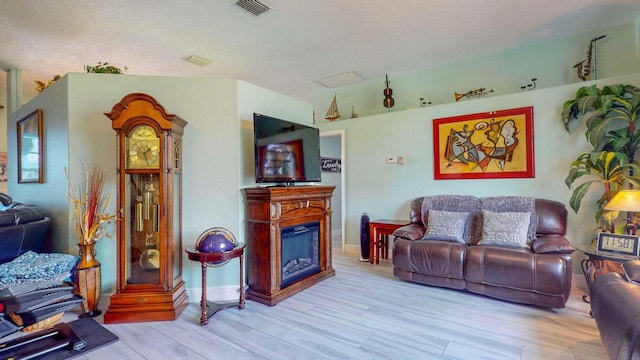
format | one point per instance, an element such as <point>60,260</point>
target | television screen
<point>285,151</point>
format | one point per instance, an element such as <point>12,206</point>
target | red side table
<point>209,307</point>
<point>379,231</point>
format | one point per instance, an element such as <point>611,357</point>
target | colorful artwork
<point>497,144</point>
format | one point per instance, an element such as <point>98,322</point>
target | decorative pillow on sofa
<point>521,204</point>
<point>446,226</point>
<point>507,229</point>
<point>457,203</point>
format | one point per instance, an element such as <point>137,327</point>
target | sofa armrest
<point>552,244</point>
<point>410,232</point>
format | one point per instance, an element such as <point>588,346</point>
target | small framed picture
<point>618,244</point>
<point>30,158</point>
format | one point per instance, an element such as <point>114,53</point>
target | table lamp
<point>629,201</point>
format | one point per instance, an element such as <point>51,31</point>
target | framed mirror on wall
<point>30,159</point>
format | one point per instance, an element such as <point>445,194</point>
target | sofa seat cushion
<point>517,269</point>
<point>438,258</point>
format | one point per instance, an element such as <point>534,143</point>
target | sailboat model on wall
<point>333,112</point>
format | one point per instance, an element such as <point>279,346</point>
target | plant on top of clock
<point>90,205</point>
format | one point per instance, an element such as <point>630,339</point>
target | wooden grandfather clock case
<point>149,283</point>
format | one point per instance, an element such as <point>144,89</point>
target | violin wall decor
<point>388,101</point>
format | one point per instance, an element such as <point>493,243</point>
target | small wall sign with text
<point>330,165</point>
<point>618,244</point>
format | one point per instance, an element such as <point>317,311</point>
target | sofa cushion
<point>552,244</point>
<point>438,258</point>
<point>458,203</point>
<point>508,229</point>
<point>411,232</point>
<point>446,226</point>
<point>7,219</point>
<point>26,213</point>
<point>514,204</point>
<point>5,199</point>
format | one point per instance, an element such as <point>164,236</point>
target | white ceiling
<point>290,47</point>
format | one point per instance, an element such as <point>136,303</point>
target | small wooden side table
<point>379,231</point>
<point>209,308</point>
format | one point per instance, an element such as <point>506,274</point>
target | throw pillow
<point>446,226</point>
<point>507,229</point>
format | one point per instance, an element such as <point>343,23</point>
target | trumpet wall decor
<point>476,93</point>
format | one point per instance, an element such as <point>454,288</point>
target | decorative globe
<point>216,239</point>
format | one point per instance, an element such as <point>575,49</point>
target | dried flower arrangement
<point>90,205</point>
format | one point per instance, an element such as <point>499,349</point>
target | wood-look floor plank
<point>364,312</point>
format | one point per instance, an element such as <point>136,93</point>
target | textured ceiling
<point>289,47</point>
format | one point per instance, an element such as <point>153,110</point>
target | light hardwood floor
<point>365,313</point>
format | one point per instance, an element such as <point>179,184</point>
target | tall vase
<point>87,279</point>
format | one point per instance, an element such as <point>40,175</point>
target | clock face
<point>143,148</point>
<point>617,243</point>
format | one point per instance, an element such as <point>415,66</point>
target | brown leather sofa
<point>615,305</point>
<point>538,273</point>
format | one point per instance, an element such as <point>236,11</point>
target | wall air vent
<point>253,6</point>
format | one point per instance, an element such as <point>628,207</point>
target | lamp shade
<point>625,200</point>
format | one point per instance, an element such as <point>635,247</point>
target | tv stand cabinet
<point>268,211</point>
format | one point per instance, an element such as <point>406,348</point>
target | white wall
<point>385,190</point>
<point>330,148</point>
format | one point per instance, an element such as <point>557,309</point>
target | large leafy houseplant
<point>611,117</point>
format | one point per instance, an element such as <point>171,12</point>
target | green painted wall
<point>505,72</point>
<point>385,190</point>
<point>216,164</point>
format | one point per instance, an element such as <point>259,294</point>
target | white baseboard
<point>227,293</point>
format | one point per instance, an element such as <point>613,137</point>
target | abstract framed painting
<point>490,145</point>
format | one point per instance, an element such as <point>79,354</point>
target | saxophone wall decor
<point>587,66</point>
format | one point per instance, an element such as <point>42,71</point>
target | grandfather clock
<point>149,167</point>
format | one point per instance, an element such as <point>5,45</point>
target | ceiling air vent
<point>253,6</point>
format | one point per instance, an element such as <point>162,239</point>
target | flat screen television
<point>285,152</point>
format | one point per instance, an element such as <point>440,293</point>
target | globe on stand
<point>216,239</point>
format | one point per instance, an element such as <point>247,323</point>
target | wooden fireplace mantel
<point>268,211</point>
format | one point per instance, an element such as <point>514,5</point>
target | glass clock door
<point>143,229</point>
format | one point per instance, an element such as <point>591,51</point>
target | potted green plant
<point>610,115</point>
<point>104,68</point>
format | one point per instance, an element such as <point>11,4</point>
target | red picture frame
<point>490,145</point>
